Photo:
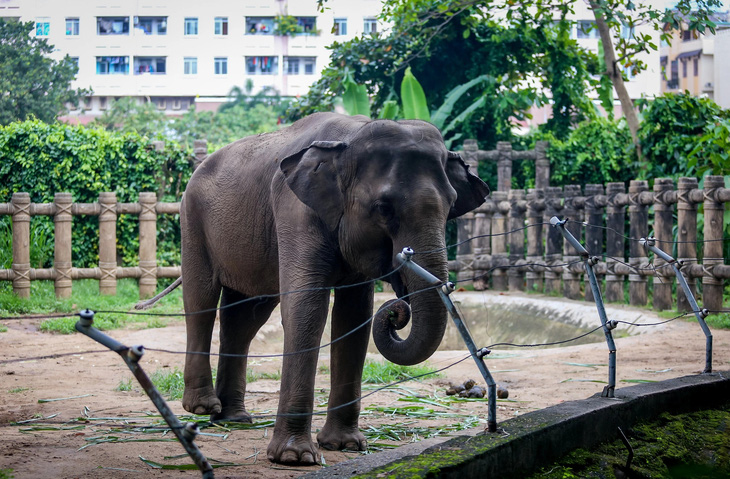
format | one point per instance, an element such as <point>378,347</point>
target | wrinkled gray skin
<point>327,201</point>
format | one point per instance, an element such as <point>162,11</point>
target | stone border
<point>539,438</point>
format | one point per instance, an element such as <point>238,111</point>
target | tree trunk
<point>614,73</point>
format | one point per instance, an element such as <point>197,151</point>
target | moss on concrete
<point>693,445</point>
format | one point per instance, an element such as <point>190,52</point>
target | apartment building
<point>698,62</point>
<point>176,53</point>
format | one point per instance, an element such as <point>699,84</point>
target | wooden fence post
<point>714,209</point>
<point>200,152</point>
<point>615,241</point>
<point>147,245</point>
<point>594,235</point>
<point>535,207</point>
<point>63,221</point>
<point>542,166</point>
<point>571,279</point>
<point>553,240</point>
<point>663,213</point>
<point>504,166</point>
<point>21,244</point>
<point>108,243</point>
<point>482,243</point>
<point>638,228</point>
<point>499,241</point>
<point>686,236</point>
<point>518,205</point>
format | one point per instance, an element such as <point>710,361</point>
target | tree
<point>31,83</point>
<point>466,51</point>
<point>424,19</point>
<point>128,115</point>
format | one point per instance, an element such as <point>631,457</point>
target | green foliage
<point>413,98</point>
<point>504,57</point>
<point>673,125</point>
<point>287,25</point>
<point>32,84</point>
<point>169,382</point>
<point>712,153</point>
<point>125,385</point>
<point>355,99</point>
<point>385,373</point>
<point>85,294</point>
<point>86,162</point>
<point>129,115</point>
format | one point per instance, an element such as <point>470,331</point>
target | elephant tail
<point>148,303</point>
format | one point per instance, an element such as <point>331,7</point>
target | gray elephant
<point>326,202</point>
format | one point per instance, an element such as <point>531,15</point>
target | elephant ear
<point>471,190</point>
<point>311,174</point>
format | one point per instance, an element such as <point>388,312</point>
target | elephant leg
<point>200,293</point>
<point>304,316</point>
<point>239,324</point>
<point>352,308</point>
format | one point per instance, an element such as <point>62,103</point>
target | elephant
<point>324,203</point>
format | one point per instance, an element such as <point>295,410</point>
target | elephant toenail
<point>288,456</point>
<point>199,410</point>
<point>307,457</point>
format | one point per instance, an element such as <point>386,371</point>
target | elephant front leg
<point>353,307</point>
<point>304,316</point>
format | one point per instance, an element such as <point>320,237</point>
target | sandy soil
<point>535,378</point>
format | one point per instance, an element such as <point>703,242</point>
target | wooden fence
<point>510,236</point>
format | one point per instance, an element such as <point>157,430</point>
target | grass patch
<point>323,369</point>
<point>86,295</point>
<point>3,328</point>
<point>125,385</point>
<point>383,373</point>
<point>18,390</point>
<point>253,376</point>
<point>6,474</point>
<point>714,320</point>
<point>169,382</point>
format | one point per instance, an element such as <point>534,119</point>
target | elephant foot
<point>232,415</point>
<point>293,450</point>
<point>201,401</point>
<point>337,439</point>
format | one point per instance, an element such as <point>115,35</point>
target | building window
<point>221,66</point>
<point>291,65</point>
<point>42,27</point>
<point>72,26</point>
<point>696,66</point>
<point>370,26</point>
<point>684,68</point>
<point>308,24</point>
<point>262,65</point>
<point>112,25</point>
<point>152,65</point>
<point>689,35</point>
<point>627,32</point>
<point>259,25</point>
<point>191,26</point>
<point>112,65</point>
<point>191,66</point>
<point>299,65</point>
<point>221,25</point>
<point>340,26</point>
<point>76,62</point>
<point>587,29</point>
<point>151,25</point>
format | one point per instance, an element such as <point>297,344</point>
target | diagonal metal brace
<point>131,356</point>
<point>589,262</point>
<point>444,290</point>
<point>650,245</point>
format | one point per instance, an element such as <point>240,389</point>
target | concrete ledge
<point>539,438</point>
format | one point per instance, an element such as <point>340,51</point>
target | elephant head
<point>385,186</point>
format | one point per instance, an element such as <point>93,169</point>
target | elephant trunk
<point>427,308</point>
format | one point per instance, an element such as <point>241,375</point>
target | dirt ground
<point>535,378</point>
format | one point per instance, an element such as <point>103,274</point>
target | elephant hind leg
<point>241,318</point>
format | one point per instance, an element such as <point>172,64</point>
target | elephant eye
<point>384,209</point>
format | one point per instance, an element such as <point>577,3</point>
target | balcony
<point>112,25</point>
